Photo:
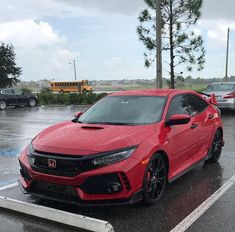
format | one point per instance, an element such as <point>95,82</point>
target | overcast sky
<point>101,36</point>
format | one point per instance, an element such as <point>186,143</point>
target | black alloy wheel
<point>216,147</point>
<point>155,179</point>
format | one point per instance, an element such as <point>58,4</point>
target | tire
<point>216,148</point>
<point>3,105</point>
<point>155,179</point>
<point>32,102</point>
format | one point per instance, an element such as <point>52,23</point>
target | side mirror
<point>212,99</point>
<point>178,119</point>
<point>78,114</point>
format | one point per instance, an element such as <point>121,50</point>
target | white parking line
<point>17,138</point>
<point>8,186</point>
<point>200,210</point>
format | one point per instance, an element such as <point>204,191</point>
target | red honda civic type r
<point>124,149</point>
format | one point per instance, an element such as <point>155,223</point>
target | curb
<point>59,216</point>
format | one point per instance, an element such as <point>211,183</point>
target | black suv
<point>15,97</point>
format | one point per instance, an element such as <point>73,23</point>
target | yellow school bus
<point>71,87</point>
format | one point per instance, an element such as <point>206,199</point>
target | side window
<point>178,105</point>
<point>18,92</point>
<point>195,104</point>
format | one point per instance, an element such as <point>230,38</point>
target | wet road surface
<point>19,126</point>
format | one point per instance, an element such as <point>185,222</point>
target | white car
<point>224,93</point>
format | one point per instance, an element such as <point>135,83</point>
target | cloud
<point>217,31</point>
<point>41,51</point>
<point>13,10</point>
<point>107,6</point>
<point>214,9</point>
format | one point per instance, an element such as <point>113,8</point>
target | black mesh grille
<point>65,165</point>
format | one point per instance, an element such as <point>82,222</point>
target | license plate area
<point>52,189</point>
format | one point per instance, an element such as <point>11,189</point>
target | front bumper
<point>137,197</point>
<point>88,188</point>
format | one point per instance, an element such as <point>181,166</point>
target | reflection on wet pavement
<point>18,127</point>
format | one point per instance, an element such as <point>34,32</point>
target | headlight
<point>30,149</point>
<point>30,152</point>
<point>112,158</point>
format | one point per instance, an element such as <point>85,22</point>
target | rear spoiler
<point>210,98</point>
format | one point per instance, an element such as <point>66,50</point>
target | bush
<point>47,97</point>
<point>26,90</point>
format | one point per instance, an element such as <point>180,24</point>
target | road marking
<point>201,209</point>
<point>9,181</point>
<point>8,186</point>
<point>17,138</point>
<point>59,216</point>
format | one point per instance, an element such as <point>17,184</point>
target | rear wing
<point>210,98</point>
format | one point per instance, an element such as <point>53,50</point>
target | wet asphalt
<point>19,126</point>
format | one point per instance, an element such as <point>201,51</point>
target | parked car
<point>224,93</point>
<point>15,97</point>
<point>124,149</point>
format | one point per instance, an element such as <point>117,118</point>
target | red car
<point>124,149</point>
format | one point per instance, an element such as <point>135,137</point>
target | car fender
<point>149,147</point>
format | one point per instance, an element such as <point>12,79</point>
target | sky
<point>101,36</point>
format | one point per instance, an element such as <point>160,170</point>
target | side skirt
<point>190,168</point>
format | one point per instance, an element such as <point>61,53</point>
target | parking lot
<point>19,125</point>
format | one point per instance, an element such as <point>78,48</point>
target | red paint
<point>182,145</point>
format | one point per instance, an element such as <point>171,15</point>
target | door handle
<point>210,116</point>
<point>194,125</point>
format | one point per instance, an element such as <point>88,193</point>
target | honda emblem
<point>51,163</point>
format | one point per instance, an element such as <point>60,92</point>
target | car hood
<point>83,139</point>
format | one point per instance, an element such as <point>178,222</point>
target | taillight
<point>230,95</point>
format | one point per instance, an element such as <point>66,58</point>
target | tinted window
<point>18,92</point>
<point>134,110</point>
<point>178,105</point>
<point>195,104</point>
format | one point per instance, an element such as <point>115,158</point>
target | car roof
<point>151,92</point>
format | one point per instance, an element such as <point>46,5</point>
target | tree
<point>9,71</point>
<point>180,43</point>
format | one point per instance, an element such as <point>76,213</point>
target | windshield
<point>220,87</point>
<point>125,110</point>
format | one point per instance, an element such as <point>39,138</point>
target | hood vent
<point>92,128</point>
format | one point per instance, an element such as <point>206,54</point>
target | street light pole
<point>227,52</point>
<point>75,70</point>
<point>158,45</point>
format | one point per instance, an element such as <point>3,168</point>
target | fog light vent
<point>125,181</point>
